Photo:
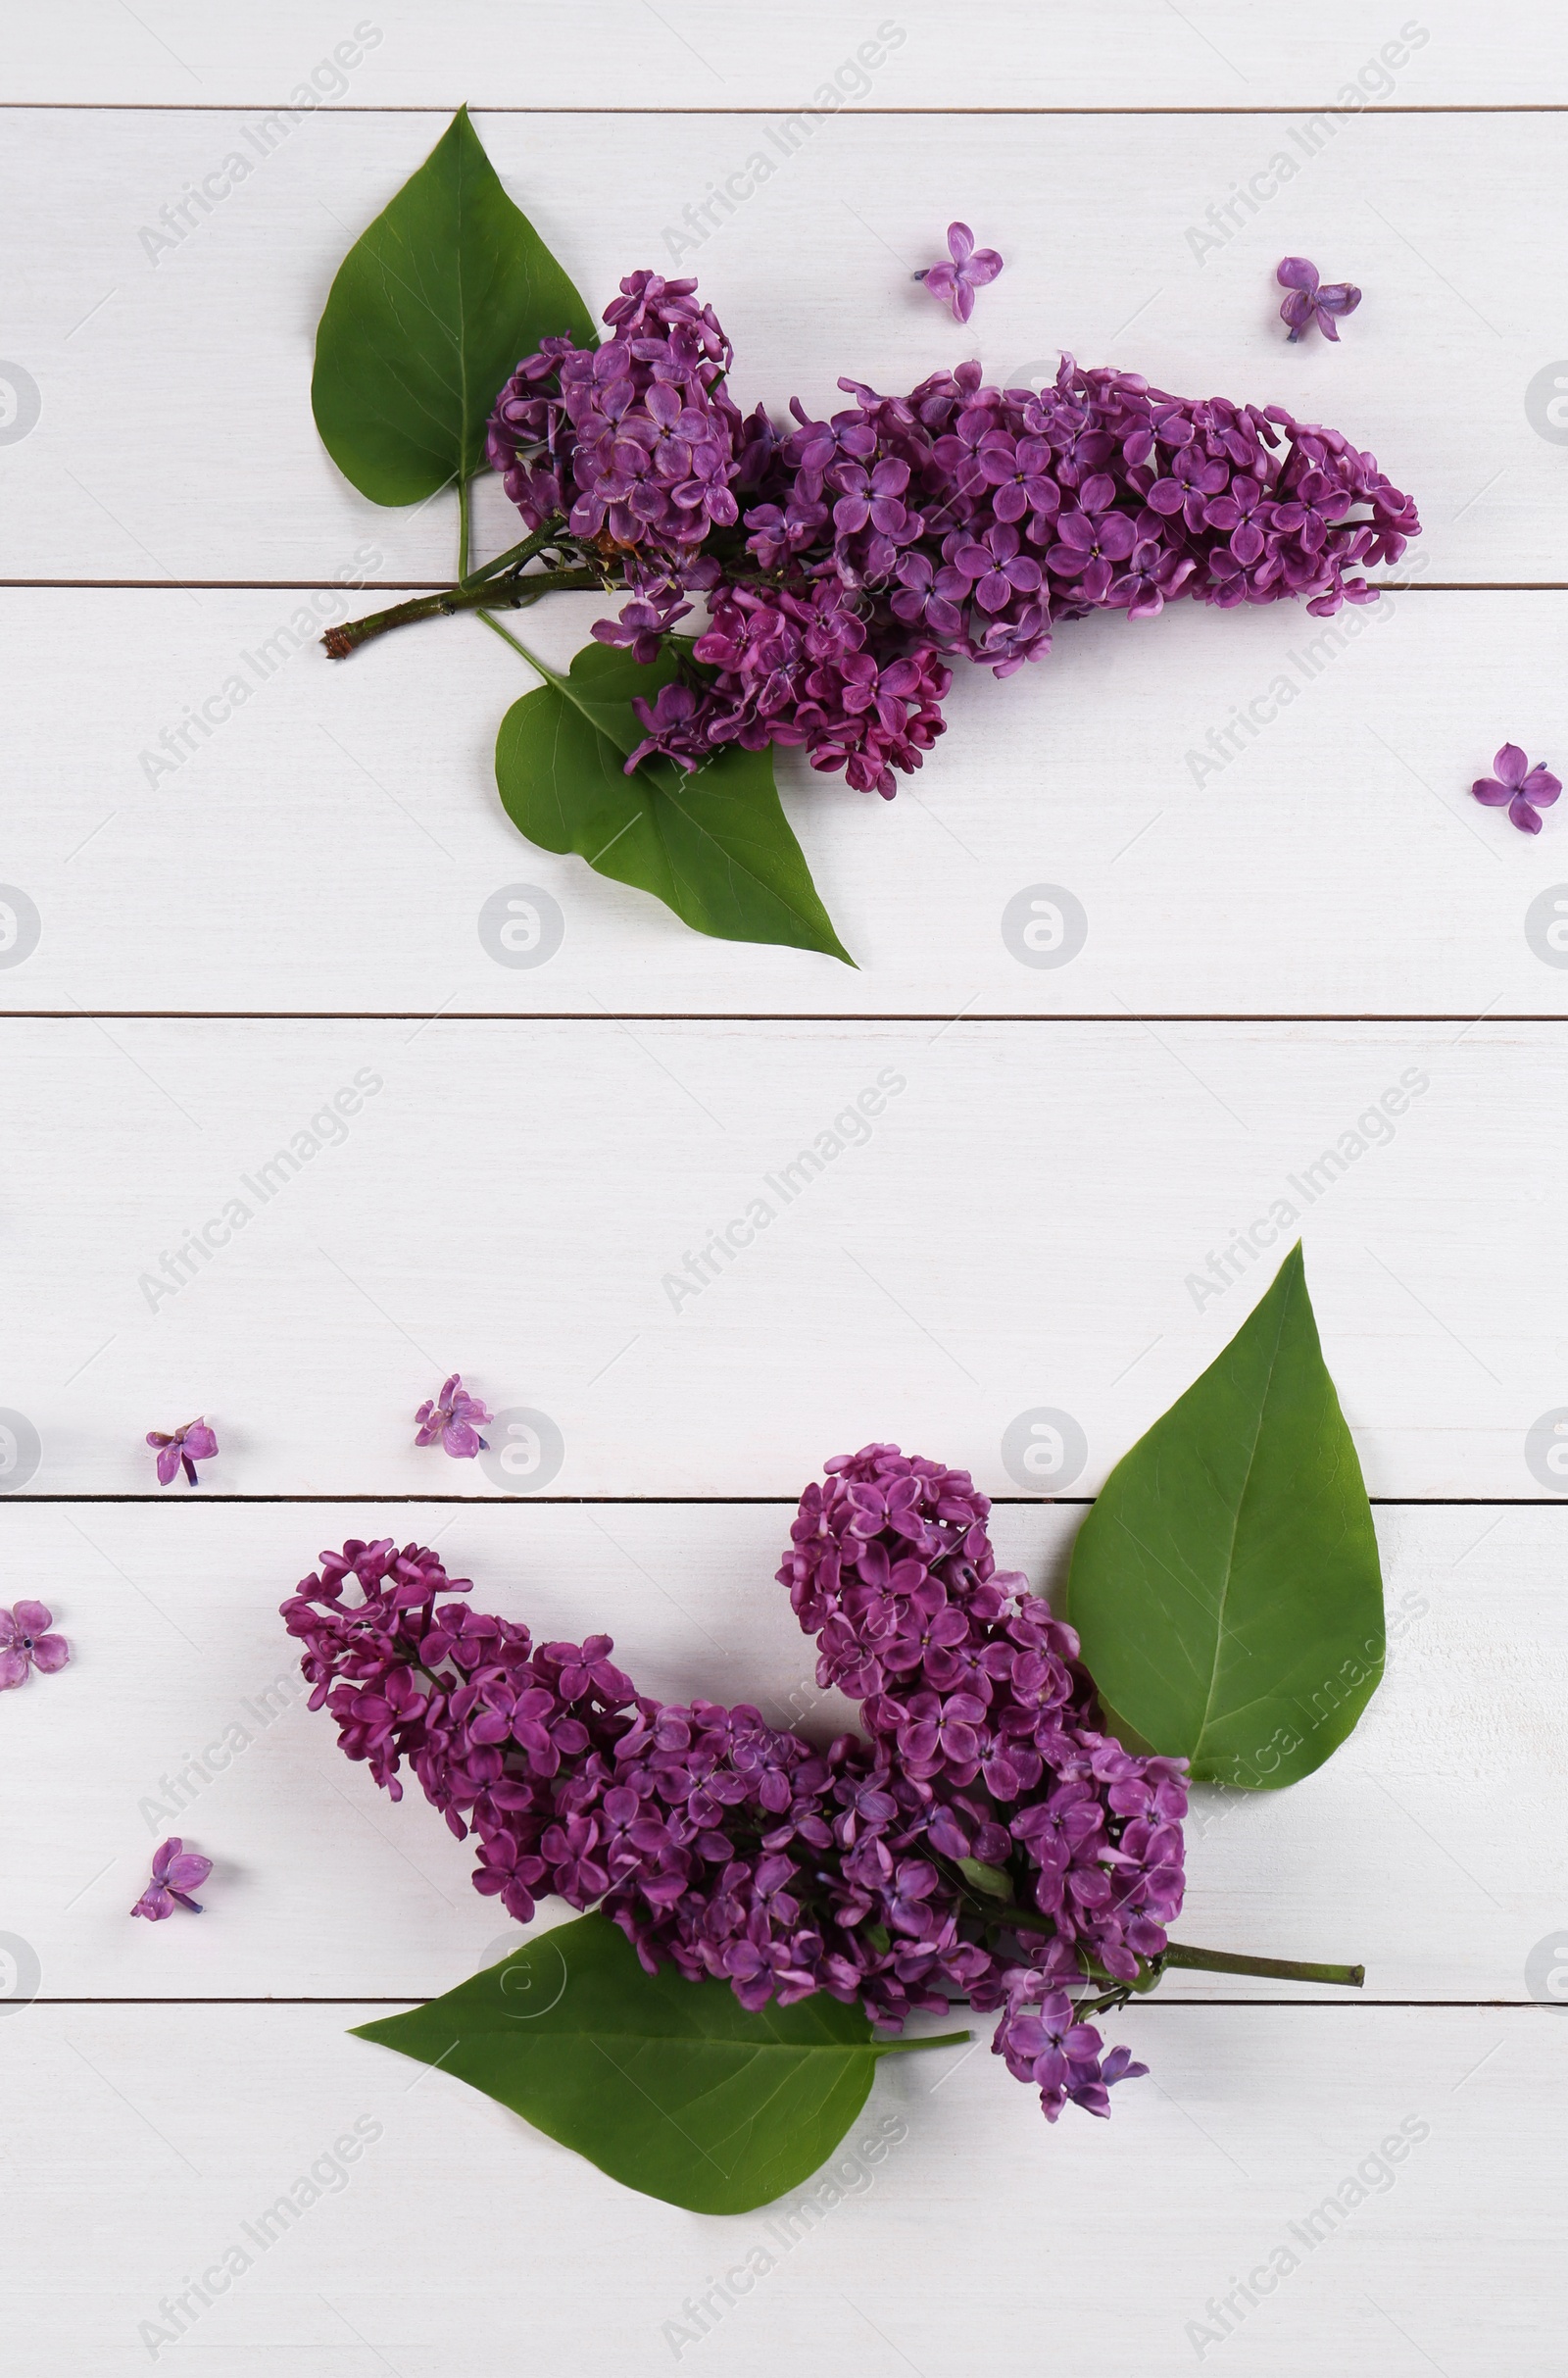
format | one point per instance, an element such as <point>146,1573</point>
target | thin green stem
<point>1085,2009</point>
<point>506,637</point>
<point>552,533</point>
<point>1197,1960</point>
<point>464,525</point>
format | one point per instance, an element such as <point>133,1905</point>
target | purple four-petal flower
<point>1524,791</point>
<point>27,1643</point>
<point>971,269</point>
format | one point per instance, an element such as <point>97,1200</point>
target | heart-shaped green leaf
<point>669,2086</point>
<point>432,308</point>
<point>1226,1585</point>
<point>714,846</point>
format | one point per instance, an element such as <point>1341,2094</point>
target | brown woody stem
<point>514,592</point>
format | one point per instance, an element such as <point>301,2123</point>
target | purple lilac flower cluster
<point>731,1848</point>
<point>636,437</point>
<point>845,561</point>
<point>638,442</point>
<point>794,668</point>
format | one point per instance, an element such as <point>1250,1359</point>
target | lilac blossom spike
<point>731,1848</point>
<point>848,563</point>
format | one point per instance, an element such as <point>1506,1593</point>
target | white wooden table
<point>227,942</point>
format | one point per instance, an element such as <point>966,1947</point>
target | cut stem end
<point>1269,1969</point>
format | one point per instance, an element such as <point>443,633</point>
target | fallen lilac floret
<point>450,1420</point>
<point>1311,300</point>
<point>969,270</point>
<point>176,1873</point>
<point>193,1443</point>
<point>26,1642</point>
<point>1524,791</point>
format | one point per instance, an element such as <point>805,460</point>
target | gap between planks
<point>721,1015</point>
<point>235,107</point>
<point>169,585</point>
<point>1351,2005</point>
<point>154,1495</point>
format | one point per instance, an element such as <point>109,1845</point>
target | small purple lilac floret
<point>176,1872</point>
<point>1311,300</point>
<point>1524,791</point>
<point>193,1443</point>
<point>734,1849</point>
<point>971,269</point>
<point>448,1420</point>
<point>27,1643</point>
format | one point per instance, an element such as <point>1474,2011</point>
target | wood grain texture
<point>1014,1220</point>
<point>183,1711</point>
<point>1256,813</point>
<point>704,54</point>
<point>1449,222</point>
<point>155,2135</point>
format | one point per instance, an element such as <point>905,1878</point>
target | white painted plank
<point>1028,1221</point>
<point>176,438</point>
<point>702,54</point>
<point>1429,1848</point>
<point>152,2136</point>
<point>1251,818</point>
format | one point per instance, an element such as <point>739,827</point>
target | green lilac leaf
<point>714,846</point>
<point>432,311</point>
<point>994,1881</point>
<point>669,2086</point>
<point>1226,1584</point>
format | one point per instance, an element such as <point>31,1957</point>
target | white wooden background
<point>1271,946</point>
